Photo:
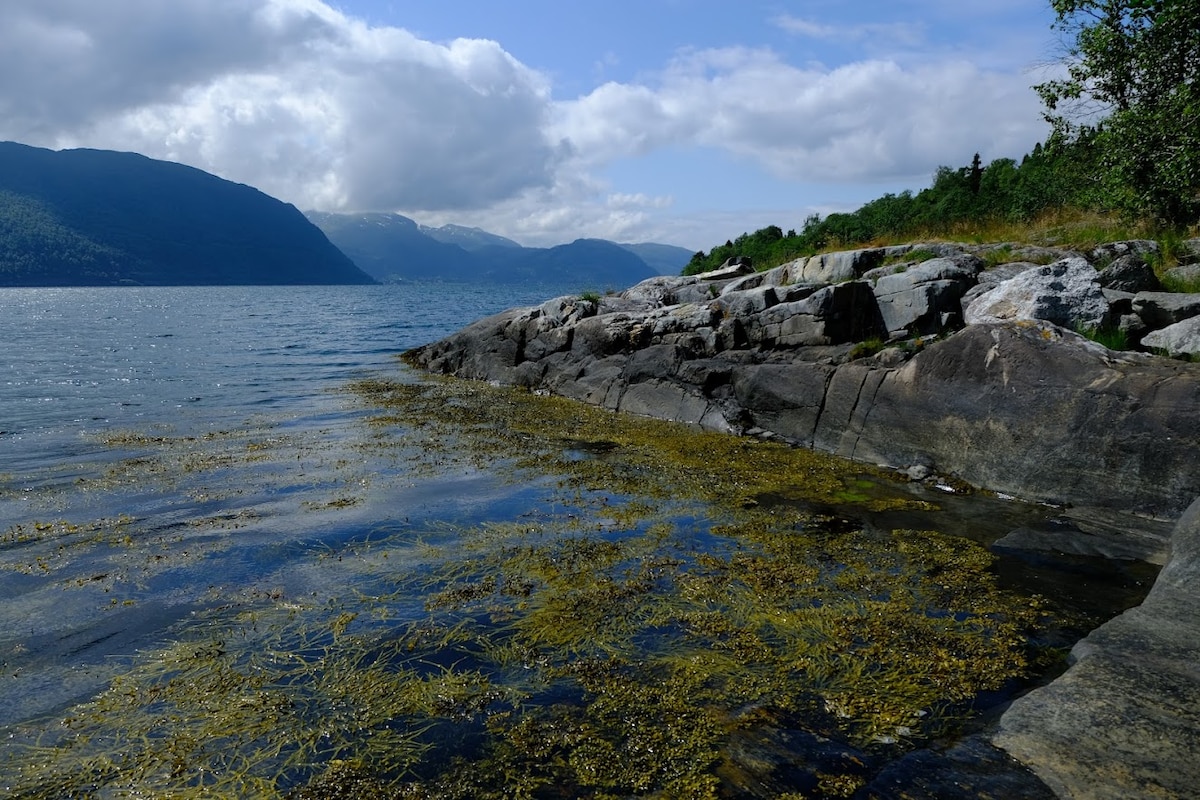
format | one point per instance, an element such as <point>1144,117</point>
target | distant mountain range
<point>102,218</point>
<point>391,247</point>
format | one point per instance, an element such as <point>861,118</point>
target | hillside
<point>391,247</point>
<point>665,259</point>
<point>102,218</point>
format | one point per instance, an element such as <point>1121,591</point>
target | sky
<point>685,122</point>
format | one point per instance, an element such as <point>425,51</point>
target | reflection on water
<point>447,590</point>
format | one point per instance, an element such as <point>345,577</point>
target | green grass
<point>866,348</point>
<point>1112,338</point>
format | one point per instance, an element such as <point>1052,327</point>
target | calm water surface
<point>94,383</point>
<point>168,451</point>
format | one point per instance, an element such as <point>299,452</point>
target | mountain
<point>467,238</point>
<point>392,247</point>
<point>665,259</point>
<point>593,264</point>
<point>101,218</point>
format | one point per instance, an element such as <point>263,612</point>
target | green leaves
<point>1133,83</point>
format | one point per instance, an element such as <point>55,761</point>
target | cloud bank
<point>326,112</point>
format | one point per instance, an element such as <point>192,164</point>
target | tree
<point>1132,90</point>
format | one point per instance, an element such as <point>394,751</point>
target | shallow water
<point>180,468</point>
<point>196,413</point>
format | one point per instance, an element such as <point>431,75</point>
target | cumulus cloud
<point>287,95</point>
<point>866,121</point>
<point>327,112</point>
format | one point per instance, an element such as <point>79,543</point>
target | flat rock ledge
<point>947,370</point>
<point>1124,720</point>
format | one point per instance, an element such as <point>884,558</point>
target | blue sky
<point>678,121</point>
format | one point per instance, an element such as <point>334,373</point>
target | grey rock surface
<point>1160,309</point>
<point>926,298</point>
<point>1180,339</point>
<point>1014,404</point>
<point>1067,293</point>
<point>1124,720</point>
<point>1129,273</point>
<point>1024,408</point>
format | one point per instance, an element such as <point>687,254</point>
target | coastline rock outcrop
<point>876,371</point>
<point>874,357</point>
<point>1122,721</point>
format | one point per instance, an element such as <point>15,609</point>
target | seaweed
<point>668,601</point>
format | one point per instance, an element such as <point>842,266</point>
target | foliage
<point>34,245</point>
<point>1052,176</point>
<point>1132,94</point>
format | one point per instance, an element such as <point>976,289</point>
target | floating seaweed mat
<point>655,626</point>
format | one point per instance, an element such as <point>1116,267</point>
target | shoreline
<point>1020,406</point>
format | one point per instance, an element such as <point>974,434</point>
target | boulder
<point>784,274</point>
<point>737,265</point>
<point>1106,254</point>
<point>847,265</point>
<point>1129,273</point>
<point>1192,248</point>
<point>926,298</point>
<point>1160,309</point>
<point>992,277</point>
<point>1180,339</point>
<point>837,314</point>
<point>1066,293</point>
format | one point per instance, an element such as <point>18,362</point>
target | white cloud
<point>868,121</point>
<point>325,111</point>
<point>893,33</point>
<point>287,95</point>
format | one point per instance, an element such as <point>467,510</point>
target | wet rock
<point>969,770</point>
<point>1124,720</point>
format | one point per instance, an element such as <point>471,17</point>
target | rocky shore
<point>953,364</point>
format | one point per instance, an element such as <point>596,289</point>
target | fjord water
<point>93,377</point>
<point>173,457</point>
